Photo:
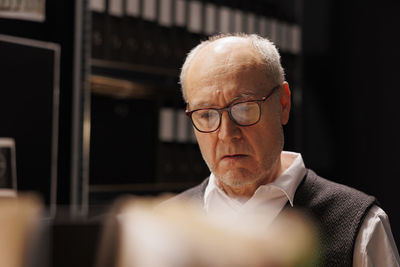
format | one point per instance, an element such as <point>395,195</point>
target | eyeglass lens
<point>246,113</point>
<point>206,119</point>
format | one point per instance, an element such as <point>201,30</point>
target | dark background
<point>351,93</point>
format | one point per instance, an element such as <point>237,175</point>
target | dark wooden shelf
<point>123,66</point>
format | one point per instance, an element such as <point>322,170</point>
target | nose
<point>228,129</point>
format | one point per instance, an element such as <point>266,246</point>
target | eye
<point>243,107</point>
<point>246,113</point>
<point>204,115</point>
<point>207,114</point>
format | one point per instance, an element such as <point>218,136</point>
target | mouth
<point>234,156</point>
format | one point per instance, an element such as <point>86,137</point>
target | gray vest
<point>337,209</point>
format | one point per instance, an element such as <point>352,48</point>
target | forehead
<point>231,69</point>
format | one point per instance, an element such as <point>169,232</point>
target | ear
<point>285,102</point>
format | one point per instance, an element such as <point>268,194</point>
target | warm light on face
<point>241,156</point>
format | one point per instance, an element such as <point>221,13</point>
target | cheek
<point>207,145</point>
<point>268,139</point>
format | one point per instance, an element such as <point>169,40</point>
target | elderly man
<point>238,100</point>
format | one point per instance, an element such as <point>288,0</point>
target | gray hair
<point>265,48</point>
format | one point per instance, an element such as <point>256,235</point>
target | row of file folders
<point>135,141</point>
<point>175,126</point>
<point>158,27</point>
<point>179,158</point>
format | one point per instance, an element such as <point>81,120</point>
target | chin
<point>237,178</point>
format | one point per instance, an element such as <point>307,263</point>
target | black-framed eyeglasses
<point>245,113</point>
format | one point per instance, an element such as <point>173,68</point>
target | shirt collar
<point>287,182</point>
<point>290,179</point>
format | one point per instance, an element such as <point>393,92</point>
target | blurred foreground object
<point>19,220</point>
<point>8,173</point>
<point>141,234</point>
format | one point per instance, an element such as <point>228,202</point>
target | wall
<point>351,96</point>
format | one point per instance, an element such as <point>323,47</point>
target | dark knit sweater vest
<point>339,212</point>
<point>337,209</point>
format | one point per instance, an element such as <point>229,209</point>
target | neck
<point>247,191</point>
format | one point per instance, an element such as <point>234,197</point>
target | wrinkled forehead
<point>227,59</point>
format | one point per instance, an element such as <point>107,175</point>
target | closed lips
<point>234,155</point>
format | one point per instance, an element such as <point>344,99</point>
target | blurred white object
<point>183,235</point>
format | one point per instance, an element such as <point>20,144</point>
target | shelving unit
<point>45,119</point>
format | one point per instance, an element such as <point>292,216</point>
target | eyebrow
<point>206,104</point>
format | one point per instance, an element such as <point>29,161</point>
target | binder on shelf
<point>280,39</point>
<point>28,10</point>
<point>166,132</point>
<point>262,26</point>
<point>132,33</point>
<point>195,17</point>
<point>149,11</point>
<point>175,126</point>
<point>180,13</point>
<point>141,34</point>
<point>224,19</point>
<point>116,8</point>
<point>210,19</point>
<point>178,157</point>
<point>114,31</point>
<point>98,6</point>
<point>151,44</point>
<point>273,31</point>
<point>153,48</point>
<point>165,15</point>
<point>98,34</point>
<point>238,21</point>
<point>130,40</point>
<point>163,35</point>
<point>250,23</point>
<point>166,48</point>
<point>296,39</point>
<point>133,8</point>
<point>283,30</point>
<point>186,38</point>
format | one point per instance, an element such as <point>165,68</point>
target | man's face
<point>225,72</point>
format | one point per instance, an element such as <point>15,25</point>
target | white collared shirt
<point>270,198</point>
<point>374,245</point>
